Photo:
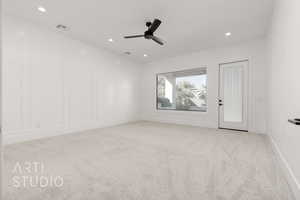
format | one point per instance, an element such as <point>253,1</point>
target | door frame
<point>246,100</point>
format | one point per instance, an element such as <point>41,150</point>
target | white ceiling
<point>187,26</point>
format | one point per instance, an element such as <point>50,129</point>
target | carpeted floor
<point>146,161</point>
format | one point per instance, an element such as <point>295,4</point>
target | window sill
<point>182,111</point>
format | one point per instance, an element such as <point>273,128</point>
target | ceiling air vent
<point>62,27</point>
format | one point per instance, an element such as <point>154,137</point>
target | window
<point>182,90</point>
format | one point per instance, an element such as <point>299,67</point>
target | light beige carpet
<point>150,161</point>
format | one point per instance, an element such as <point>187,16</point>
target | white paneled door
<point>233,94</point>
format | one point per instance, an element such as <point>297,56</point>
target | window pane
<point>233,94</point>
<point>191,93</point>
<point>165,96</point>
<point>183,90</point>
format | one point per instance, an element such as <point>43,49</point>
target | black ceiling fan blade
<point>155,24</point>
<point>158,40</point>
<point>133,36</point>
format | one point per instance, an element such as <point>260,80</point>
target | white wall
<point>53,84</point>
<point>1,104</point>
<point>284,86</point>
<point>253,50</point>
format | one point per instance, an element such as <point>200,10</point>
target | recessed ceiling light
<point>42,9</point>
<point>145,55</point>
<point>228,34</point>
<point>110,40</point>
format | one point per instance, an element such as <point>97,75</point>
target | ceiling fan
<point>152,26</point>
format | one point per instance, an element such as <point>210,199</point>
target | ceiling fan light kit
<point>149,34</point>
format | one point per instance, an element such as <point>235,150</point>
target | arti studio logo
<point>32,174</point>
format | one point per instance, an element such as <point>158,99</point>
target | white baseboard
<point>174,120</point>
<point>13,137</point>
<point>289,174</point>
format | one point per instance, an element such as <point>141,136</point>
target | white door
<point>233,95</point>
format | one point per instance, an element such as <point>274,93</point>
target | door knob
<point>220,102</point>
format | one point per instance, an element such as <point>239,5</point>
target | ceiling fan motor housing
<point>148,35</point>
